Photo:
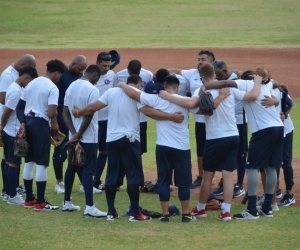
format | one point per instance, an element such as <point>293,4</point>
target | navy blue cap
<point>115,58</point>
<point>62,155</point>
<point>153,87</point>
<point>173,210</point>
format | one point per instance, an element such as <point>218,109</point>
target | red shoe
<point>138,217</point>
<point>30,204</point>
<point>198,214</point>
<point>224,217</point>
<point>45,206</point>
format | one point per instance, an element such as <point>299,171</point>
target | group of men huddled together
<point>108,112</point>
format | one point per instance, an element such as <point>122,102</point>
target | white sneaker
<point>69,207</point>
<point>60,188</point>
<point>260,202</point>
<point>93,212</point>
<point>5,198</point>
<point>17,200</point>
<point>101,186</point>
<point>20,190</point>
<point>95,190</point>
<point>275,207</point>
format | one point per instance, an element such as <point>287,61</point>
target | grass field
<point>149,24</point>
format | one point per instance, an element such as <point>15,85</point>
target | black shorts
<point>38,137</point>
<point>221,154</point>
<point>9,142</point>
<point>200,138</point>
<point>102,131</point>
<point>124,158</point>
<point>167,159</point>
<point>243,134</point>
<point>143,136</point>
<point>265,148</point>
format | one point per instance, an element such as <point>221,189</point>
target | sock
<point>58,170</point>
<point>3,162</point>
<point>110,192</point>
<point>225,207</point>
<point>7,190</point>
<point>12,174</point>
<point>40,191</point>
<point>200,206</point>
<point>28,188</point>
<point>268,201</point>
<point>134,196</point>
<point>183,193</point>
<point>241,169</point>
<point>252,203</point>
<point>87,182</point>
<point>164,193</point>
<point>69,180</point>
<point>101,161</point>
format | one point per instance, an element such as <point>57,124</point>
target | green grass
<point>26,229</point>
<point>149,24</point>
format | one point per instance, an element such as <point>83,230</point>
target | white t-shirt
<point>146,76</point>
<point>38,94</point>
<point>288,125</point>
<point>104,83</point>
<point>8,76</point>
<point>222,123</point>
<point>168,133</point>
<point>123,114</point>
<point>183,85</point>
<point>80,94</point>
<point>194,82</point>
<point>258,116</point>
<point>13,95</point>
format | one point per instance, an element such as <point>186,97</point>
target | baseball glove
<point>152,214</point>
<point>1,140</point>
<point>260,71</point>
<point>148,187</point>
<point>58,139</point>
<point>77,156</point>
<point>213,205</point>
<point>20,146</point>
<point>206,104</point>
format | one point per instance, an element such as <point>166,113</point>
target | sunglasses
<point>104,57</point>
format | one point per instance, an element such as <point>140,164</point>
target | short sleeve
<point>244,85</point>
<point>65,101</point>
<point>187,74</point>
<point>5,81</point>
<point>94,96</point>
<point>53,96</point>
<point>104,97</point>
<point>149,99</point>
<point>24,95</point>
<point>238,94</point>
<point>12,100</point>
<point>196,93</point>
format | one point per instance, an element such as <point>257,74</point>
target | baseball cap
<point>153,87</point>
<point>62,155</point>
<point>213,196</point>
<point>115,58</point>
<point>173,210</point>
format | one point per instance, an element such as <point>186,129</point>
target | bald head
<point>78,65</point>
<point>26,60</point>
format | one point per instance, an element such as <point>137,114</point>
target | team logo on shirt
<point>107,81</point>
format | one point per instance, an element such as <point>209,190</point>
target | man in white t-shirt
<point>36,108</point>
<point>9,128</point>
<point>81,93</point>
<point>194,82</point>
<point>135,68</point>
<point>8,76</point>
<point>123,144</point>
<point>106,81</point>
<point>265,147</point>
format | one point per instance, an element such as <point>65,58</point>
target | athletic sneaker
<point>275,207</point>
<point>260,202</point>
<point>188,218</point>
<point>246,215</point>
<point>245,199</point>
<point>238,191</point>
<point>101,186</point>
<point>265,212</point>
<point>219,189</point>
<point>69,207</point>
<point>111,216</point>
<point>60,188</point>
<point>278,194</point>
<point>20,190</point>
<point>138,217</point>
<point>2,194</point>
<point>17,200</point>
<point>164,218</point>
<point>95,190</point>
<point>29,204</point>
<point>198,214</point>
<point>5,198</point>
<point>224,217</point>
<point>196,183</point>
<point>93,212</point>
<point>287,200</point>
<point>45,207</point>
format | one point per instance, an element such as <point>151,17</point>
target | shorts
<point>38,137</point>
<point>287,151</point>
<point>200,138</point>
<point>124,158</point>
<point>8,149</point>
<point>221,154</point>
<point>266,148</point>
<point>243,134</point>
<point>102,131</point>
<point>143,136</point>
<point>169,159</point>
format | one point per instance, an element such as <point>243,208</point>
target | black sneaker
<point>265,212</point>
<point>111,216</point>
<point>278,194</point>
<point>118,188</point>
<point>20,190</point>
<point>238,191</point>
<point>245,199</point>
<point>164,218</point>
<point>188,218</point>
<point>219,189</point>
<point>100,186</point>
<point>247,215</point>
<point>196,183</point>
<point>287,200</point>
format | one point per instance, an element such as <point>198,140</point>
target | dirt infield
<point>283,65</point>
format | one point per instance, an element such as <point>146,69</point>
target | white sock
<point>201,206</point>
<point>225,207</point>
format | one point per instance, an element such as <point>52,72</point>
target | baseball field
<point>161,34</point>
